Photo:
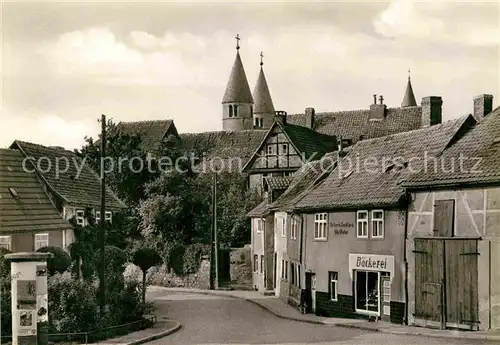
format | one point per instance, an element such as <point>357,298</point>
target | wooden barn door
<point>461,283</point>
<point>429,282</point>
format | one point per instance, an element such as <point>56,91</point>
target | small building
<point>28,218</point>
<point>69,183</point>
<point>453,241</point>
<point>355,221</point>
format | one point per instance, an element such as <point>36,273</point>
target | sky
<point>66,63</point>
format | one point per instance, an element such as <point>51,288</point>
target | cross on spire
<point>261,56</point>
<point>237,41</point>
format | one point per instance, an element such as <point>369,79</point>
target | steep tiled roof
<point>82,189</point>
<point>354,124</point>
<point>480,145</point>
<point>237,89</point>
<point>308,141</point>
<point>151,132</point>
<point>262,96</point>
<point>303,180</point>
<point>365,177</point>
<point>409,97</point>
<point>259,211</point>
<point>31,210</point>
<point>233,149</point>
<point>279,182</point>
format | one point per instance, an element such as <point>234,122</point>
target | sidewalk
<point>285,311</point>
<point>160,330</point>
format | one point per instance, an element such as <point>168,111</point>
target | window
<point>292,273</point>
<point>286,270</point>
<point>108,216</point>
<point>255,262</point>
<point>13,192</point>
<point>284,149</point>
<point>333,278</point>
<point>283,227</point>
<point>5,242</point>
<point>259,225</point>
<point>261,263</point>
<point>378,223</point>
<point>235,110</point>
<point>80,217</point>
<point>41,240</point>
<point>97,216</point>
<point>294,229</point>
<point>251,110</point>
<point>320,226</point>
<point>270,150</point>
<point>298,276</point>
<point>362,224</point>
<point>261,123</point>
<point>282,269</point>
<point>230,111</point>
<point>367,291</point>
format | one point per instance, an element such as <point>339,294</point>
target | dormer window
<point>13,192</point>
<point>230,110</point>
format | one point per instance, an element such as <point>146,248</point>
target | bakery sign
<point>371,262</point>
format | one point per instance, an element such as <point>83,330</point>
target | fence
<point>96,335</point>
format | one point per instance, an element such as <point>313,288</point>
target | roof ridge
<point>341,112</point>
<point>145,121</point>
<point>59,149</point>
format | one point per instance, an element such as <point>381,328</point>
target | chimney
<point>310,118</point>
<point>280,116</point>
<point>483,105</point>
<point>377,111</point>
<point>431,111</point>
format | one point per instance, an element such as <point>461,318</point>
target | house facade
<point>453,241</point>
<point>28,218</point>
<point>354,225</point>
<point>72,187</point>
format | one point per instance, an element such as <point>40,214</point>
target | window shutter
<point>444,216</point>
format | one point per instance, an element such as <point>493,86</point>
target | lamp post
<point>215,243</point>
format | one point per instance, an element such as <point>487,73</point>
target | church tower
<point>263,112</point>
<point>409,97</point>
<point>237,103</point>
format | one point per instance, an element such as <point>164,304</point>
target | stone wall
<point>241,268</point>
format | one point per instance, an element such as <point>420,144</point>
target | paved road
<point>224,320</point>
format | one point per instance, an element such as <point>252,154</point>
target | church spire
<point>237,89</point>
<point>263,101</point>
<point>409,97</point>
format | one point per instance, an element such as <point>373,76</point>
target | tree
<point>60,261</point>
<point>145,258</point>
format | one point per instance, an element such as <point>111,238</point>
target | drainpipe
<point>405,263</point>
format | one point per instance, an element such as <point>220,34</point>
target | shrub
<point>145,258</point>
<point>59,263</point>
<point>5,288</point>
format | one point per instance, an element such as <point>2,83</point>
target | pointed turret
<point>263,104</point>
<point>237,102</point>
<point>409,97</point>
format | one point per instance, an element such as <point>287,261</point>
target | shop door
<point>311,292</point>
<point>367,292</point>
<point>385,288</point>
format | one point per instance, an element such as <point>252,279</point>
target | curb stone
<point>149,338</point>
<point>344,325</point>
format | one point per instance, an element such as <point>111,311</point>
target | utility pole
<point>216,244</point>
<point>212,231</point>
<point>102,235</point>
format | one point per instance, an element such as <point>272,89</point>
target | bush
<point>59,263</point>
<point>5,288</point>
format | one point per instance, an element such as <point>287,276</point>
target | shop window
<point>5,242</point>
<point>320,220</point>
<point>367,292</point>
<point>362,224</point>
<point>255,263</point>
<point>333,279</point>
<point>378,224</point>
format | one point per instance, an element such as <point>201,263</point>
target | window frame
<point>283,227</point>
<point>269,150</point>
<point>259,225</point>
<point>333,278</point>
<point>38,240</point>
<point>262,264</point>
<point>363,221</point>
<point>320,226</point>
<point>80,220</point>
<point>294,228</point>
<point>255,263</point>
<point>283,269</point>
<point>8,242</point>
<point>380,221</point>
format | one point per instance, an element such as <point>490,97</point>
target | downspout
<point>405,263</point>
